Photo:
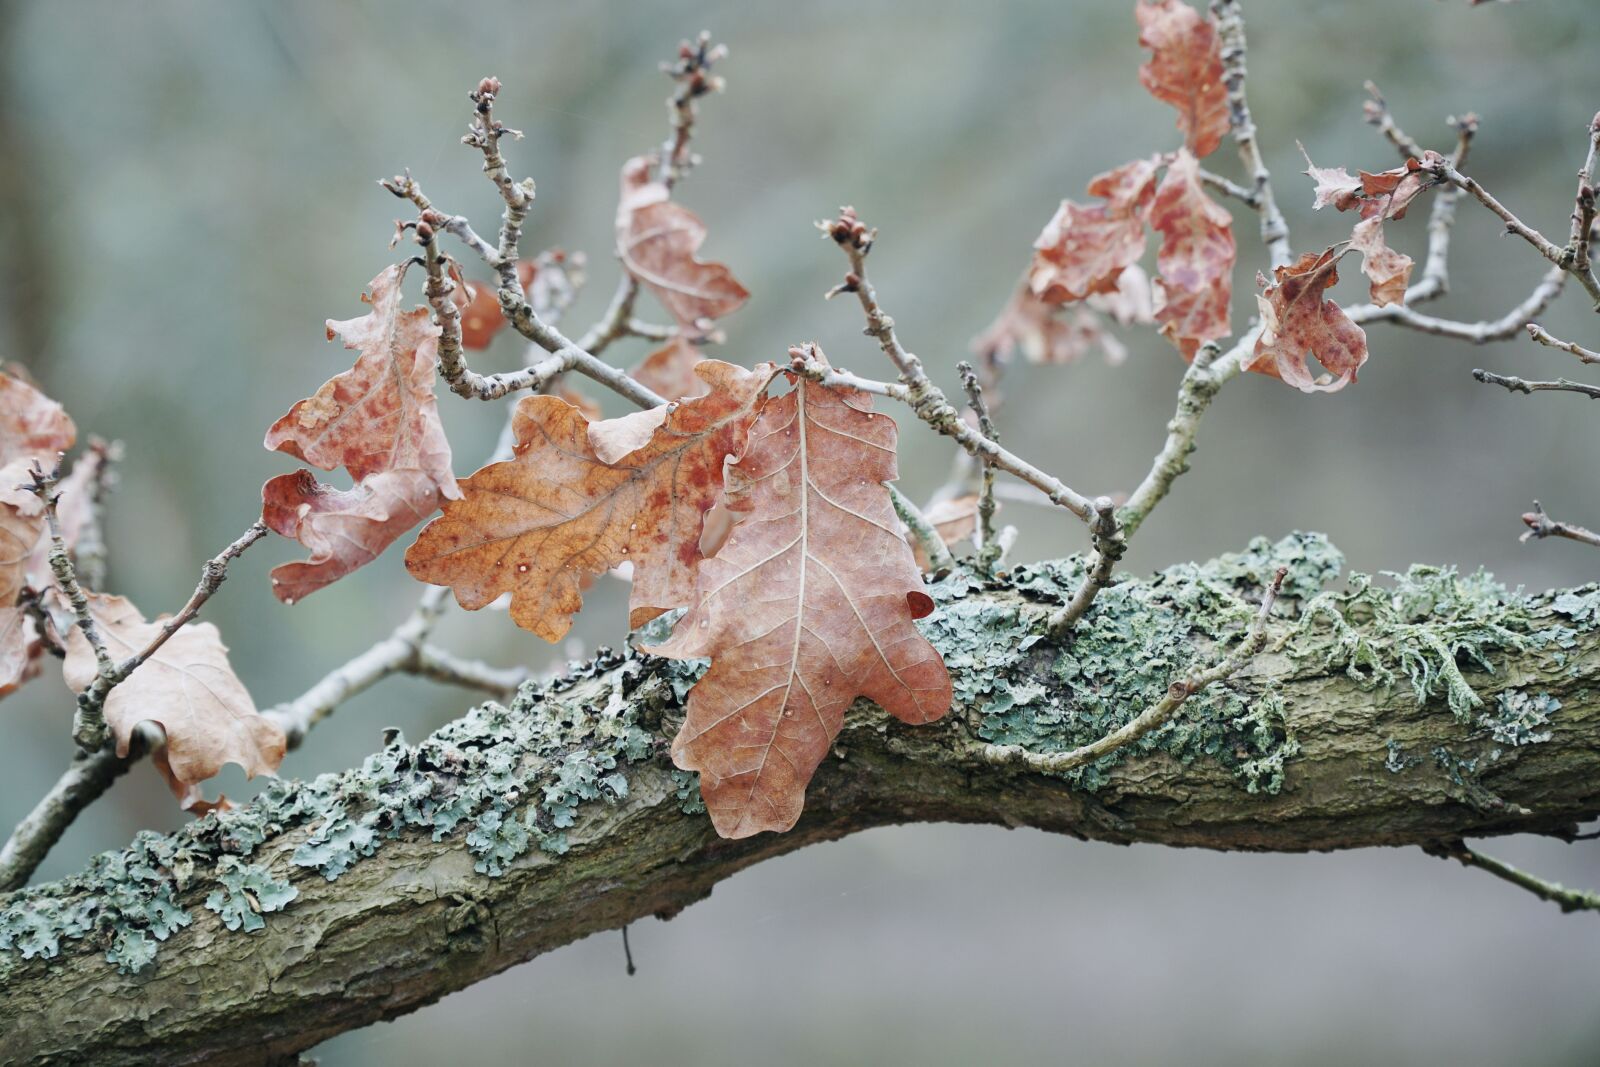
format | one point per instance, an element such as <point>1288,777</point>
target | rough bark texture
<point>1434,707</point>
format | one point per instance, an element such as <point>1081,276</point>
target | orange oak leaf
<point>32,426</point>
<point>1196,258</point>
<point>580,498</point>
<point>1386,193</point>
<point>1389,271</point>
<point>657,240</point>
<point>380,421</point>
<point>809,605</point>
<point>187,687</point>
<point>669,370</point>
<point>1297,324</point>
<point>1085,249</point>
<point>1185,70</point>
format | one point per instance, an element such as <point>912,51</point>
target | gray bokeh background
<point>187,191</point>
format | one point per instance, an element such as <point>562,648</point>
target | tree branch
<point>1230,33</point>
<point>1523,385</point>
<point>1541,526</point>
<point>411,919</point>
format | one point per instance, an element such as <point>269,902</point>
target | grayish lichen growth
<point>1137,639</point>
<point>246,893</point>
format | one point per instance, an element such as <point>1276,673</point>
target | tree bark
<point>1296,753</point>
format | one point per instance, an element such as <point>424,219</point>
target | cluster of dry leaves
<point>1090,254</point>
<point>766,519</point>
<point>187,687</point>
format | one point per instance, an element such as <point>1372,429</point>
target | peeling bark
<point>1296,753</point>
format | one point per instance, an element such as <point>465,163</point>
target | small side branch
<point>1109,546</point>
<point>1568,900</point>
<point>922,531</point>
<point>1199,387</point>
<point>1230,32</point>
<point>1151,718</point>
<point>1524,385</point>
<point>1541,526</point>
<point>988,549</point>
<point>89,775</point>
<point>1504,328</point>
<point>1545,337</point>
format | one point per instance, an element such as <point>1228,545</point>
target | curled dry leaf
<point>1387,193</point>
<point>809,605</point>
<point>187,687</point>
<point>32,426</point>
<point>669,370</point>
<point>1297,324</point>
<point>1185,70</point>
<point>1389,271</point>
<point>657,240</point>
<point>380,421</point>
<point>1085,249</point>
<point>580,498</point>
<point>1196,258</point>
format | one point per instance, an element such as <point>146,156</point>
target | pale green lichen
<point>1520,718</point>
<point>246,893</point>
<point>1122,657</point>
<point>1424,626</point>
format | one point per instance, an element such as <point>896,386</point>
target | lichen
<point>1121,658</point>
<point>246,893</point>
<point>1425,625</point>
<point>1518,717</point>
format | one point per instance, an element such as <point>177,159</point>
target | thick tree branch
<point>1360,761</point>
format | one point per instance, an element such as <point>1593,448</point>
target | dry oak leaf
<point>580,498</point>
<point>657,240</point>
<point>669,370</point>
<point>809,605</point>
<point>380,421</point>
<point>32,426</point>
<point>1297,323</point>
<point>1389,271</point>
<point>1030,326</point>
<point>187,687</point>
<point>1185,70</point>
<point>1196,258</point>
<point>1085,249</point>
<point>1386,193</point>
<point>22,524</point>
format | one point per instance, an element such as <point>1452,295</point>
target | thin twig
<point>1378,114</point>
<point>1583,204</point>
<point>1545,337</point>
<point>692,77</point>
<point>1110,543</point>
<point>988,551</point>
<point>927,400</point>
<point>1198,388</point>
<point>1541,526</point>
<point>89,775</point>
<point>1230,34</point>
<point>1567,900</point>
<point>1504,328</point>
<point>89,729</point>
<point>926,535</point>
<point>1152,717</point>
<point>484,134</point>
<point>1524,385</point>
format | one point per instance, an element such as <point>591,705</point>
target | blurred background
<point>187,192</point>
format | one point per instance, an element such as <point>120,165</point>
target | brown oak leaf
<point>32,426</point>
<point>580,498</point>
<point>22,525</point>
<point>1035,329</point>
<point>1085,249</point>
<point>1389,271</point>
<point>809,605</point>
<point>1386,193</point>
<point>657,240</point>
<point>1185,70</point>
<point>1297,323</point>
<point>187,687</point>
<point>669,370</point>
<point>380,421</point>
<point>1196,258</point>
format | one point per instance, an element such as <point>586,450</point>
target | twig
<point>1504,328</point>
<point>1230,33</point>
<point>89,730</point>
<point>1524,385</point>
<point>1541,526</point>
<point>916,390</point>
<point>1583,204</point>
<point>1545,337</point>
<point>1109,545</point>
<point>1199,387</point>
<point>691,72</point>
<point>927,536</point>
<point>1228,187</point>
<point>89,775</point>
<point>484,134</point>
<point>1378,114</point>
<point>1567,900</point>
<point>988,551</point>
<point>89,553</point>
<point>1152,717</point>
<point>1563,257</point>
